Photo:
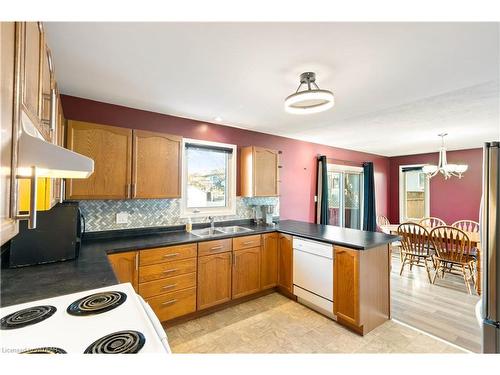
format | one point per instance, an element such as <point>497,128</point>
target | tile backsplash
<point>101,214</point>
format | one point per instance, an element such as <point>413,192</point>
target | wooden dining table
<point>474,238</point>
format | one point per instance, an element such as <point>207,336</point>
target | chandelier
<point>310,100</point>
<point>447,170</point>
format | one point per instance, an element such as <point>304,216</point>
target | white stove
<point>123,315</point>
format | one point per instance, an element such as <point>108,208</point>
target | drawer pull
<point>167,303</point>
<point>172,270</point>
<point>169,286</point>
<point>216,247</point>
<point>248,242</point>
<point>170,255</point>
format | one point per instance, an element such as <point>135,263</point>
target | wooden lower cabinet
<point>269,261</point>
<point>285,262</point>
<point>214,279</point>
<point>167,269</point>
<point>361,287</point>
<point>169,284</point>
<point>346,282</point>
<point>126,266</point>
<point>246,272</point>
<point>172,305</point>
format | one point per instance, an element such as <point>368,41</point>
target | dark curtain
<point>369,214</point>
<point>322,214</point>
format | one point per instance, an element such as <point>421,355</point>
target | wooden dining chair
<point>453,250</point>
<point>467,225</point>
<point>415,242</point>
<point>382,220</point>
<point>431,222</point>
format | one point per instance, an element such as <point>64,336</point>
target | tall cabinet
<point>9,226</point>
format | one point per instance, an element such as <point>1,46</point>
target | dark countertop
<point>92,270</point>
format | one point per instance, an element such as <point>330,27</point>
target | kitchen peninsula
<point>204,274</point>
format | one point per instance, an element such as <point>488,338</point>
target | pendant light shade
<point>311,99</point>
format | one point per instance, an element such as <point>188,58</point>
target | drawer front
<point>171,305</point>
<point>246,242</point>
<point>170,284</point>
<point>214,247</point>
<point>166,254</point>
<point>163,270</point>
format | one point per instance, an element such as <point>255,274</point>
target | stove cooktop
<point>94,325</point>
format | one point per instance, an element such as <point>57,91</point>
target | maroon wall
<point>451,200</point>
<point>298,174</point>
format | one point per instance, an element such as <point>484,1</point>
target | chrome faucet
<point>212,223</point>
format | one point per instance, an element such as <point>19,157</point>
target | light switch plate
<point>122,217</point>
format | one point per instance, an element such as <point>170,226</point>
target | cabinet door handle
<point>170,255</point>
<point>134,194</point>
<point>128,190</point>
<point>137,261</point>
<point>169,286</point>
<point>171,302</point>
<point>216,247</point>
<point>172,270</point>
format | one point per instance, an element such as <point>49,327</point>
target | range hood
<point>48,159</point>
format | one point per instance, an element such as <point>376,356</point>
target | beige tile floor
<point>275,324</point>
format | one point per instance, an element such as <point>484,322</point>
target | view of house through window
<point>208,178</point>
<point>345,196</point>
<point>414,190</point>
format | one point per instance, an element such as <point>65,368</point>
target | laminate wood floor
<point>444,309</point>
<point>276,324</point>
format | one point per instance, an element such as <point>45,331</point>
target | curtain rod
<point>344,161</point>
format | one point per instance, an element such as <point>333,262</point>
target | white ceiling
<point>396,85</point>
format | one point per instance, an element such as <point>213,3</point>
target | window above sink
<point>208,178</point>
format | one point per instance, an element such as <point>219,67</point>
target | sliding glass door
<point>345,196</point>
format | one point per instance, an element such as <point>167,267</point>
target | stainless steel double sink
<point>219,231</point>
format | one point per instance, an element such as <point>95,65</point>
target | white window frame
<point>339,168</point>
<point>230,208</point>
<point>402,205</point>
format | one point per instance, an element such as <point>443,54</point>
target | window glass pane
<point>334,197</point>
<point>207,174</point>
<point>414,194</point>
<point>352,199</point>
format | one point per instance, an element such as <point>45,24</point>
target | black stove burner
<point>47,350</point>
<point>96,303</point>
<point>26,317</point>
<point>122,342</point>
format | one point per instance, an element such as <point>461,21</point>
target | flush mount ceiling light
<point>447,170</point>
<point>310,100</point>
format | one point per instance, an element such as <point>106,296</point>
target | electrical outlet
<point>122,217</point>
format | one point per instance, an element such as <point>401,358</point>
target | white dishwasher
<point>313,274</point>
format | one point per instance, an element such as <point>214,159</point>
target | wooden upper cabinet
<point>259,172</point>
<point>156,165</point>
<point>246,272</point>
<point>285,262</point>
<point>111,149</point>
<point>269,261</point>
<point>32,52</point>
<point>214,279</point>
<point>126,267</point>
<point>45,103</point>
<point>346,284</point>
<point>8,226</point>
